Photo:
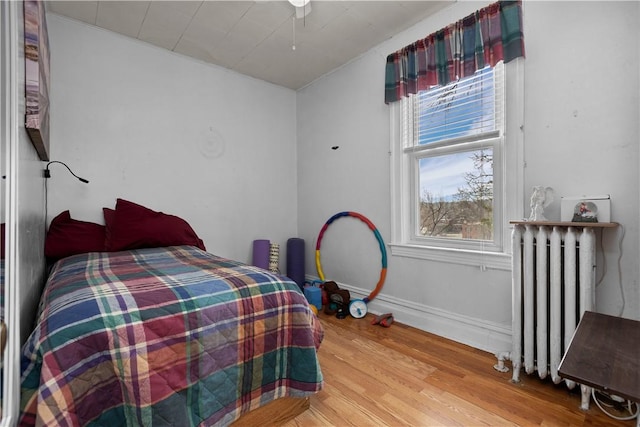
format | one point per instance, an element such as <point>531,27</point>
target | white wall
<point>171,133</point>
<point>582,133</point>
<point>581,136</point>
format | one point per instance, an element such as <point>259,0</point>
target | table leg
<point>586,397</point>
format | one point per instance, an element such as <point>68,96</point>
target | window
<point>448,171</point>
<point>452,149</point>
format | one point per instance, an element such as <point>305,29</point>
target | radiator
<point>553,280</point>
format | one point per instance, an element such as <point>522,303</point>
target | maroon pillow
<point>135,226</point>
<point>67,236</point>
<point>109,218</point>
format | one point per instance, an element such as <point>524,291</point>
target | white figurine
<point>540,199</point>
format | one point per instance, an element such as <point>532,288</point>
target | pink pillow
<point>67,236</point>
<point>134,226</point>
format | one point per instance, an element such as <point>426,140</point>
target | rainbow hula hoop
<point>383,272</point>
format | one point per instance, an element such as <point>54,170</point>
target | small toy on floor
<point>384,320</point>
<point>338,300</point>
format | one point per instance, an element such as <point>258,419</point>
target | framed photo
<point>36,52</point>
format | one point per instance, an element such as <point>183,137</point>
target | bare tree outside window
<point>466,214</point>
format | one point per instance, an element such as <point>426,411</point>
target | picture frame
<point>37,76</point>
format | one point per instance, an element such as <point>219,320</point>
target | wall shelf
<point>566,224</point>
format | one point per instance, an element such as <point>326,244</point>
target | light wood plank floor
<point>401,376</point>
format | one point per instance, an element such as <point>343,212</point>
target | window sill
<point>493,260</point>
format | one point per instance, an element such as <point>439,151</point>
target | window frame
<point>508,162</point>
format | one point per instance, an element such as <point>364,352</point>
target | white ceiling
<point>256,38</point>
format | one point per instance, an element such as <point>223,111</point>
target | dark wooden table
<point>604,353</point>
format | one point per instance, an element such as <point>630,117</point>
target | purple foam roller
<point>295,260</point>
<point>261,253</point>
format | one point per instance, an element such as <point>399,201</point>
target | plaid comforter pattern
<point>165,336</point>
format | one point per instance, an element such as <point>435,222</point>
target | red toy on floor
<point>384,320</point>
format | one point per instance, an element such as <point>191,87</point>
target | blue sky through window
<point>442,176</point>
<point>463,108</point>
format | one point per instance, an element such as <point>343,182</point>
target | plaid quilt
<point>165,336</point>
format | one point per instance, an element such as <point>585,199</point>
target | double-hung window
<point>448,170</point>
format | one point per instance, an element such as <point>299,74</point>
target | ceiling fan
<point>303,7</point>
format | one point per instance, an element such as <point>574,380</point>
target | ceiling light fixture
<point>299,3</point>
<point>303,7</point>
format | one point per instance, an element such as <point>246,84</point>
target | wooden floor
<point>401,376</point>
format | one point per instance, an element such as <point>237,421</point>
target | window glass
<point>462,108</point>
<point>456,195</point>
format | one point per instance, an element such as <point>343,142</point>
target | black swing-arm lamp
<point>47,173</point>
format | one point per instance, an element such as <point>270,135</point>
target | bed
<point>169,335</point>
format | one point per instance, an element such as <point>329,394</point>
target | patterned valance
<point>485,37</point>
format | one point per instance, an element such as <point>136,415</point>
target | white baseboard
<point>481,334</point>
